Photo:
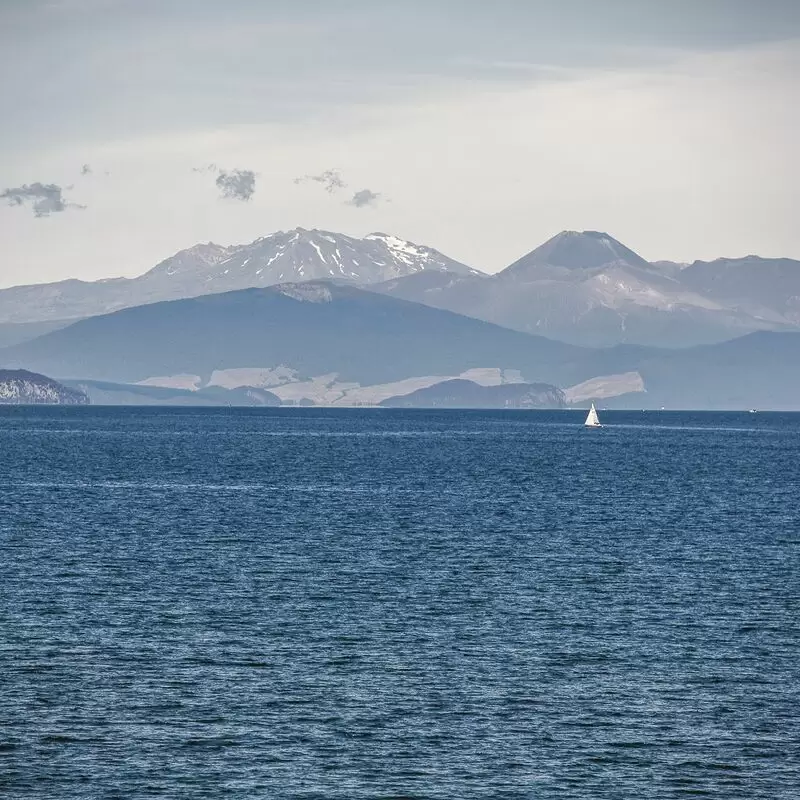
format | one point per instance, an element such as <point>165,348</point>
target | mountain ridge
<point>315,327</point>
<point>339,341</point>
<point>585,288</point>
<point>209,268</point>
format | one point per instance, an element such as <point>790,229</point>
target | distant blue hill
<point>318,328</point>
<point>313,327</point>
<point>468,394</point>
<point>107,393</point>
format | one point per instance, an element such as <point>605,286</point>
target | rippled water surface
<point>296,603</point>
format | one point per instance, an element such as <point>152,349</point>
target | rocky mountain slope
<point>768,288</point>
<point>585,288</point>
<point>298,255</point>
<point>21,387</point>
<point>589,289</point>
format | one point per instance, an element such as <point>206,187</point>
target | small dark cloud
<point>234,184</point>
<point>238,184</point>
<point>331,180</point>
<point>363,198</point>
<point>86,169</point>
<point>43,198</point>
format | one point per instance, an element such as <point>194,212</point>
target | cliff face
<point>20,387</point>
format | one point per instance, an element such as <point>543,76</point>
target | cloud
<point>235,184</point>
<point>331,179</point>
<point>44,198</point>
<point>238,184</point>
<point>364,197</point>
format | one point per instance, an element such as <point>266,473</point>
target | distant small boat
<point>592,420</point>
<point>752,411</point>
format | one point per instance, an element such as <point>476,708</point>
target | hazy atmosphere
<point>135,129</point>
<point>399,399</point>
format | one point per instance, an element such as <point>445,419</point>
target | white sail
<point>592,420</point>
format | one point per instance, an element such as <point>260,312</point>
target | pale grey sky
<point>479,128</point>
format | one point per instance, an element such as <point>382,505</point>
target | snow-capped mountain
<point>285,256</point>
<point>582,287</point>
<point>304,255</point>
<point>324,342</point>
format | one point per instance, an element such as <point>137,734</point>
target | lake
<point>374,603</point>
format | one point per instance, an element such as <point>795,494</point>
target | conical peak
<point>578,250</point>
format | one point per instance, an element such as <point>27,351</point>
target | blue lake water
<point>302,603</point>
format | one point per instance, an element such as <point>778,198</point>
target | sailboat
<point>592,420</point>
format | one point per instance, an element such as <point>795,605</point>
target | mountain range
<point>589,289</point>
<point>337,344</point>
<point>314,317</point>
<point>766,288</point>
<point>312,328</point>
<point>298,255</point>
<point>585,288</point>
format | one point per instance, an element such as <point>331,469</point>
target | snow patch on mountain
<point>307,292</point>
